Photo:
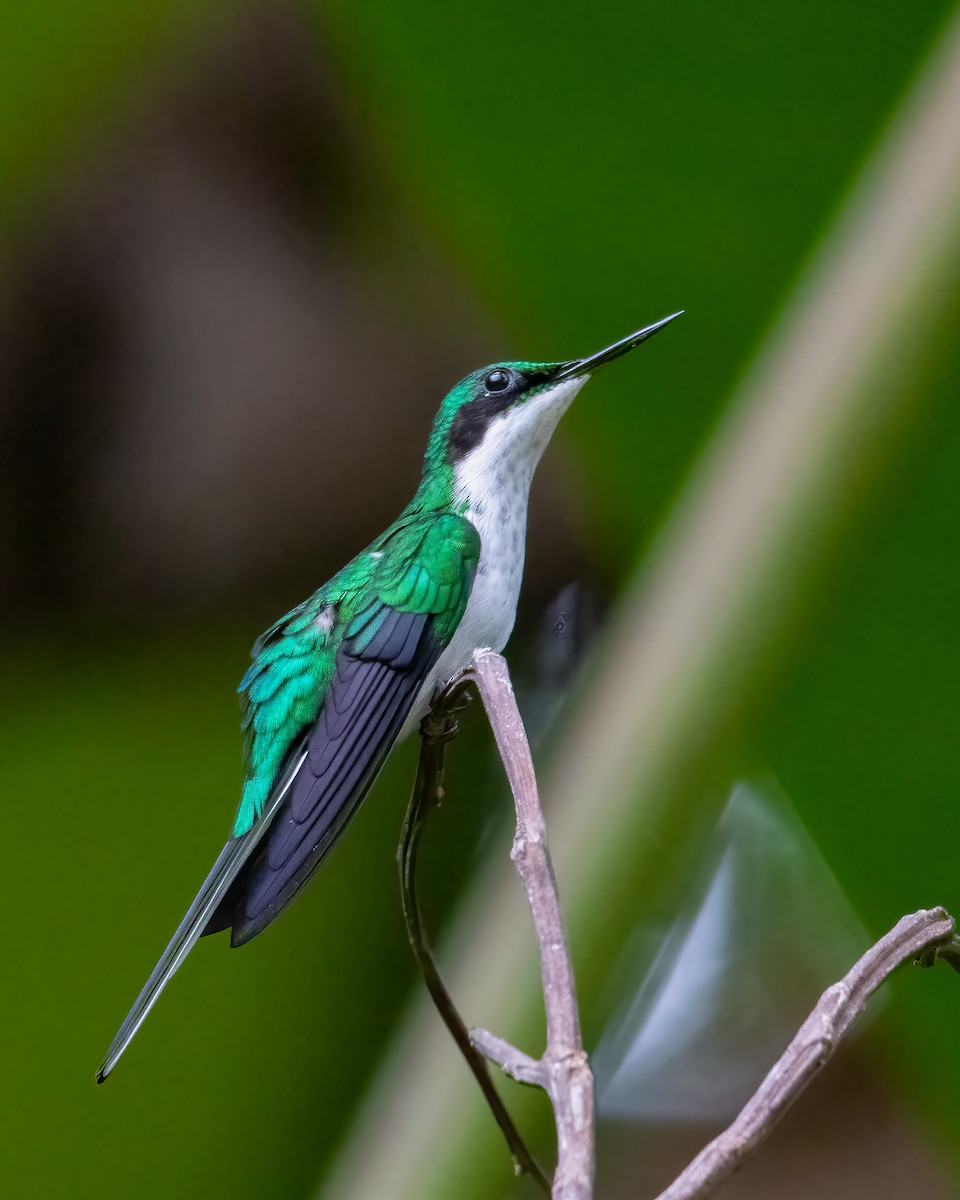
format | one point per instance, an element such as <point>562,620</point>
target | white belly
<point>492,607</point>
<point>493,481</point>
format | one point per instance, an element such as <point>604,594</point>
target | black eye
<point>497,380</point>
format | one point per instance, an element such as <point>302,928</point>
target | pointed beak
<point>583,366</point>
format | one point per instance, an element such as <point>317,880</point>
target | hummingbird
<point>335,684</point>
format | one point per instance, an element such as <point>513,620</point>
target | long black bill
<point>581,366</point>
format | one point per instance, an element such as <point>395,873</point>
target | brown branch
<point>436,729</point>
<point>509,1059</point>
<point>923,937</point>
<point>564,1070</point>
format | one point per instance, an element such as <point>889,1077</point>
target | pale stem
<point>919,936</point>
<point>564,1070</point>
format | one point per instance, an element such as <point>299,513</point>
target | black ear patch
<point>473,419</point>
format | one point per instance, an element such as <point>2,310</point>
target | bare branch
<point>565,1069</point>
<point>923,936</point>
<point>509,1059</point>
<point>436,729</point>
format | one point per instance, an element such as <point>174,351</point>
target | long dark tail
<point>225,870</point>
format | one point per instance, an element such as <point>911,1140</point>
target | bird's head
<point>497,421</point>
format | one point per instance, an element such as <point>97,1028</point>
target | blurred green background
<point>243,252</point>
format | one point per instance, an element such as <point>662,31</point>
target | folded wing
<point>368,699</point>
<point>339,728</point>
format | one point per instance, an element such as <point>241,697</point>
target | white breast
<point>493,481</point>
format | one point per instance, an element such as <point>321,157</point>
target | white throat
<point>493,482</point>
<point>498,472</point>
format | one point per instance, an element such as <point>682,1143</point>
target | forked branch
<point>436,729</point>
<point>921,937</point>
<point>564,1070</point>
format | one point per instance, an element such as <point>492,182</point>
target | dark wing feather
<point>230,863</point>
<point>369,698</point>
<point>388,649</point>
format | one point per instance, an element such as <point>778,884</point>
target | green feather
<point>424,563</point>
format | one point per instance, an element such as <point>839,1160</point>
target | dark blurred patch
<point>569,624</point>
<point>221,356</point>
<point>57,345</point>
<point>567,627</point>
<point>847,1138</point>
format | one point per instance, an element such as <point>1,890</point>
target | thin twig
<point>436,730</point>
<point>564,1070</point>
<point>922,937</point>
<point>509,1059</point>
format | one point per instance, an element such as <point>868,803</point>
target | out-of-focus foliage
<point>586,171</point>
<point>73,78</point>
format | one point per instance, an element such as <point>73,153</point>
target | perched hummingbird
<point>337,682</point>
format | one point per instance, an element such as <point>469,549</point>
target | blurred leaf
<point>72,76</point>
<point>694,646</point>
